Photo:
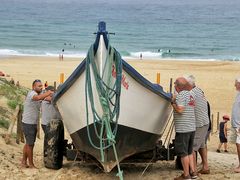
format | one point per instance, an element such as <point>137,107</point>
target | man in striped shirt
<point>185,126</point>
<point>202,125</point>
<point>30,119</point>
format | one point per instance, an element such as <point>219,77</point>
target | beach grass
<point>13,93</point>
<point>11,96</point>
<point>4,123</point>
<point>12,104</point>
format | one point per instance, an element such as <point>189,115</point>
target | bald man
<point>185,127</point>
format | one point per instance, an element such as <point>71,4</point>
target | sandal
<point>203,171</point>
<point>194,175</point>
<point>182,177</point>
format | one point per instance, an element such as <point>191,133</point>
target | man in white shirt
<point>236,120</point>
<point>30,120</point>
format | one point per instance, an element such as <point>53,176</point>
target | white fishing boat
<point>106,102</point>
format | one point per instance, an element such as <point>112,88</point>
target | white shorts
<point>238,136</point>
<point>235,135</point>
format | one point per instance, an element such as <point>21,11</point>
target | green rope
<point>108,91</point>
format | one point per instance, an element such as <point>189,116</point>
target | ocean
<point>157,29</point>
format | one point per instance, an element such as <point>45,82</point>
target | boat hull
<point>142,119</point>
<point>129,141</point>
<point>140,108</point>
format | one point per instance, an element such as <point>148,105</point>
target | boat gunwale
<point>128,68</point>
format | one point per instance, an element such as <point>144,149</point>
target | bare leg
<point>30,156</point>
<point>203,154</point>
<point>24,158</point>
<point>238,151</point>
<point>219,146</point>
<point>237,169</point>
<point>194,162</point>
<point>185,163</point>
<point>191,162</point>
<point>225,146</point>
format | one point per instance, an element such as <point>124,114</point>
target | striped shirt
<point>49,112</point>
<point>185,121</point>
<point>31,109</point>
<point>236,112</point>
<point>201,107</point>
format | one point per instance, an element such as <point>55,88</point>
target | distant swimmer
<point>61,55</point>
<point>140,55</point>
<point>169,51</point>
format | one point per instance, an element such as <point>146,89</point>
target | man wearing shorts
<point>202,125</point>
<point>185,126</point>
<point>236,120</point>
<point>30,120</point>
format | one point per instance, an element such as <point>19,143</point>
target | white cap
<point>238,79</point>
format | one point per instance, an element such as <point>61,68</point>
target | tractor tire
<point>54,145</point>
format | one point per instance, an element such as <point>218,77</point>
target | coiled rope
<point>105,123</point>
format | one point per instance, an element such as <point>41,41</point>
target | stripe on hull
<point>129,141</point>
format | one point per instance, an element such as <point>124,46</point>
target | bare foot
<point>237,170</point>
<point>23,165</point>
<point>33,167</point>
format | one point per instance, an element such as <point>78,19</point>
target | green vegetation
<point>4,123</point>
<point>13,93</point>
<point>12,104</point>
<point>11,96</point>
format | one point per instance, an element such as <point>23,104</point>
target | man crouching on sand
<point>30,120</point>
<point>185,126</point>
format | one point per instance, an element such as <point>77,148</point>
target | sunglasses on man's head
<point>35,81</point>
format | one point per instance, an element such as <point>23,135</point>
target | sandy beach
<point>216,78</point>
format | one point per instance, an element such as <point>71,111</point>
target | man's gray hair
<point>238,79</point>
<point>190,79</point>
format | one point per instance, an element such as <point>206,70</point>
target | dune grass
<point>4,123</point>
<point>11,96</point>
<point>13,93</point>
